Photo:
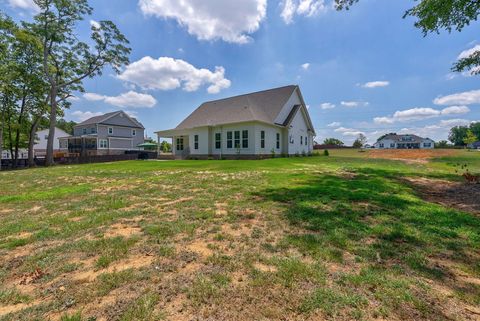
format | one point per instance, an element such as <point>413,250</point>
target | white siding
<point>42,136</point>
<point>296,135</point>
<point>270,139</point>
<point>292,101</point>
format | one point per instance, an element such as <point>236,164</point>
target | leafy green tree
<point>475,128</point>
<point>432,16</point>
<point>67,61</point>
<point>333,141</point>
<point>360,141</point>
<point>457,135</point>
<point>470,138</point>
<point>66,126</point>
<point>441,144</point>
<point>165,146</point>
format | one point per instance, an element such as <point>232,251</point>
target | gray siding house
<point>109,134</point>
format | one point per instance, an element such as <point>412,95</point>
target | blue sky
<point>365,70</point>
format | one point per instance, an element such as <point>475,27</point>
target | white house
<point>41,138</point>
<point>394,141</point>
<point>269,122</point>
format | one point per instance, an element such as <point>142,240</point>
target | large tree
<point>432,16</point>
<point>66,59</point>
<point>333,141</point>
<point>457,135</point>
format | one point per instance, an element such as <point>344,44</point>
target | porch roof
<point>169,133</point>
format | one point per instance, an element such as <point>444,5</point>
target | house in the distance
<point>109,134</point>
<point>475,145</point>
<point>394,141</point>
<point>255,125</point>
<point>40,147</point>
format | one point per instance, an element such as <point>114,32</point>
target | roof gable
<point>117,118</point>
<point>261,106</point>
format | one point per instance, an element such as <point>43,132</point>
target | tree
<point>475,128</point>
<point>165,146</point>
<point>441,144</point>
<point>66,126</point>
<point>434,15</point>
<point>470,138</point>
<point>360,141</point>
<point>457,135</point>
<point>66,60</point>
<point>333,141</point>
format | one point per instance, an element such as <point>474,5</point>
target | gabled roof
<point>398,138</point>
<point>262,106</point>
<point>102,119</point>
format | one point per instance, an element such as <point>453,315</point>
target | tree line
<point>42,64</point>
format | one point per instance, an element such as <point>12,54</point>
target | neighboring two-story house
<point>394,141</point>
<point>109,134</point>
<point>255,125</point>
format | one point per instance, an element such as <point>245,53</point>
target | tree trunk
<point>17,131</point>
<point>31,142</point>
<point>1,139</point>
<point>53,121</point>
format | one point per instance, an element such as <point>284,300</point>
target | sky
<point>366,70</point>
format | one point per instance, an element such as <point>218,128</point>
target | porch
<point>79,145</point>
<point>180,143</point>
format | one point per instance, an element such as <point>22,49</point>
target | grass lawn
<point>341,237</point>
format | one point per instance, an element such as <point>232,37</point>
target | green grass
<point>337,237</point>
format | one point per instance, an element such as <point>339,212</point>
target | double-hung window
<point>244,138</point>
<point>218,140</point>
<point>301,140</point>
<point>306,140</point>
<point>84,131</point>
<point>278,140</point>
<point>179,143</point>
<point>237,139</point>
<point>103,143</point>
<point>134,132</point>
<point>229,140</point>
<point>262,139</point>
<point>110,130</point>
<point>195,141</point>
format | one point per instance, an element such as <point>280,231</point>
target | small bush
<point>326,153</point>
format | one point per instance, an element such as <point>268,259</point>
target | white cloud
<point>455,110</point>
<point>325,106</point>
<point>129,99</point>
<point>420,113</point>
<point>334,124</point>
<point>352,104</point>
<point>348,131</point>
<point>448,123</point>
<point>467,53</point>
<point>95,24</point>
<point>465,98</point>
<point>84,115</point>
<point>231,21</point>
<point>306,8</point>
<point>305,66</point>
<point>376,84</point>
<point>24,4</point>
<point>167,73</point>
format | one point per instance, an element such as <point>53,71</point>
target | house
<point>40,147</point>
<point>22,154</point>
<point>394,141</point>
<point>475,145</point>
<point>255,125</point>
<point>109,134</point>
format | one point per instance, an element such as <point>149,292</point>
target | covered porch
<point>180,142</point>
<point>79,145</point>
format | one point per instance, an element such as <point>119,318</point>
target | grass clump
<point>13,296</point>
<point>143,309</point>
<point>205,288</point>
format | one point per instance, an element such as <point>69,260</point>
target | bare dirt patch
<point>123,229</point>
<point>461,196</point>
<point>410,155</point>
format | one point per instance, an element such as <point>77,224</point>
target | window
<point>134,132</point>
<point>301,140</point>
<point>93,130</point>
<point>179,143</point>
<point>218,140</point>
<point>306,140</point>
<point>195,141</point>
<point>237,139</point>
<point>229,140</point>
<point>278,140</point>
<point>244,138</point>
<point>103,143</point>
<point>392,145</point>
<point>381,145</point>
<point>110,130</point>
<point>262,139</point>
<point>46,137</point>
<point>427,144</point>
<point>84,131</point>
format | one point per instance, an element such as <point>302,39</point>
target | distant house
<point>40,147</point>
<point>394,141</point>
<point>475,145</point>
<point>109,134</point>
<point>274,121</point>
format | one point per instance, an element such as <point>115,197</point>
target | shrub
<point>326,153</point>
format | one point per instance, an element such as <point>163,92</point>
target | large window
<point>278,140</point>
<point>195,141</point>
<point>244,138</point>
<point>427,144</point>
<point>237,139</point>
<point>93,130</point>
<point>229,140</point>
<point>103,143</point>
<point>218,140</point>
<point>179,143</point>
<point>84,131</point>
<point>262,139</point>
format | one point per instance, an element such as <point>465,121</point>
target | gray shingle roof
<point>398,138</point>
<point>261,106</point>
<point>102,118</point>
